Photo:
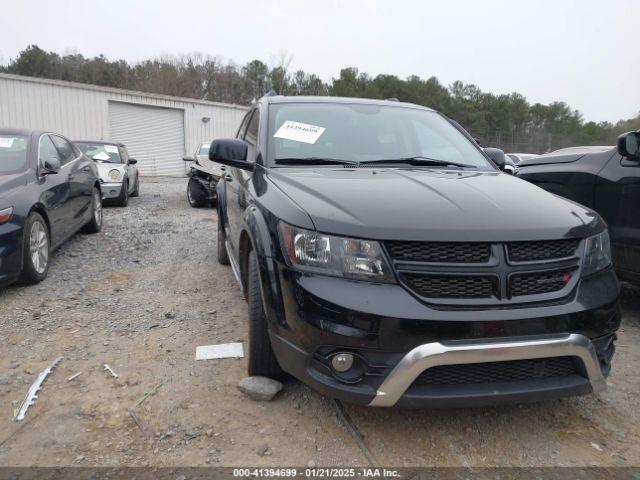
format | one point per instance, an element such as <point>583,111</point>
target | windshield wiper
<point>419,161</point>
<point>315,161</point>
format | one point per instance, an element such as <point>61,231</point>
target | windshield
<point>360,133</point>
<point>204,149</point>
<point>100,152</point>
<point>13,153</point>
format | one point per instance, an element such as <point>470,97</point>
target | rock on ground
<point>260,388</point>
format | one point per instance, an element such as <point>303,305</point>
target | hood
<point>105,168</point>
<point>8,183</point>
<point>209,166</point>
<point>562,156</point>
<point>432,205</point>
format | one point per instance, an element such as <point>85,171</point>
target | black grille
<point>498,372</point>
<point>444,286</point>
<point>541,250</point>
<point>442,252</point>
<point>539,282</point>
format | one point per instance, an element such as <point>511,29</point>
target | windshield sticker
<point>6,142</point>
<point>299,132</point>
<point>111,149</point>
<point>101,156</point>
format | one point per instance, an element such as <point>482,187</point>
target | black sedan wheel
<point>36,249</point>
<point>196,194</point>
<point>95,224</point>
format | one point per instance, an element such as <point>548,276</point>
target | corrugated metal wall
<point>81,111</point>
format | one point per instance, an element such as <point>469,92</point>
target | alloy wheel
<point>39,247</point>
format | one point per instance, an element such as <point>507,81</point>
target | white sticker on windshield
<point>299,132</point>
<point>101,156</point>
<point>6,142</point>
<point>111,149</point>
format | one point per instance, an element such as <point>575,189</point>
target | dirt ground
<point>146,291</point>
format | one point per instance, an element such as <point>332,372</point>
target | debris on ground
<point>74,376</point>
<point>261,389</point>
<point>222,350</point>
<point>107,368</point>
<point>264,451</point>
<point>33,390</point>
<point>141,425</point>
<point>144,397</point>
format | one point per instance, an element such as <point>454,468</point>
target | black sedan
<point>606,179</point>
<point>48,191</point>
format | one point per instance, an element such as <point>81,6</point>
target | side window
<point>47,150</point>
<point>251,137</point>
<point>243,125</point>
<point>124,155</point>
<point>64,147</point>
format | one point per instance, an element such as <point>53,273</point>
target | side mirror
<point>189,159</point>
<point>629,145</point>
<point>51,166</point>
<point>497,156</point>
<point>132,161</point>
<point>230,152</point>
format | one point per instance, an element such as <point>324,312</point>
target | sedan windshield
<point>100,153</point>
<point>307,132</point>
<point>13,153</point>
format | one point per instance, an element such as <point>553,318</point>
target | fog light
<point>342,362</point>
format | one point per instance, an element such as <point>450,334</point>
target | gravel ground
<point>143,293</point>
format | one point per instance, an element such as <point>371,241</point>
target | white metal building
<point>158,130</point>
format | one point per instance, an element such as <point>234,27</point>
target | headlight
<point>338,256</point>
<point>5,214</point>
<point>597,253</point>
<point>114,175</point>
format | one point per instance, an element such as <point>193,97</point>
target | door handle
<point>228,177</point>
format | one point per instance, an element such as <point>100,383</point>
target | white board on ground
<point>222,350</point>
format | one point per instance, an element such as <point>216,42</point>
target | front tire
<point>221,247</point>
<point>136,187</point>
<point>123,198</point>
<point>262,360</point>
<point>36,248</point>
<point>95,224</point>
<point>196,194</point>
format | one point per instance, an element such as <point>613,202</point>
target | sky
<point>583,52</point>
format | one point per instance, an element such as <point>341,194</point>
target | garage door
<point>153,136</point>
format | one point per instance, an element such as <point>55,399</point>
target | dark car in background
<point>118,172</point>
<point>386,260</point>
<point>204,176</point>
<point>48,191</point>
<point>606,179</point>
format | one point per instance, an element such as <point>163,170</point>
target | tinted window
<point>124,155</point>
<point>251,136</point>
<point>243,126</point>
<point>100,153</point>
<point>367,132</point>
<point>64,147</point>
<point>47,150</point>
<point>13,153</point>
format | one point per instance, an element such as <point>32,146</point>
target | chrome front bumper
<point>434,354</point>
<point>110,189</point>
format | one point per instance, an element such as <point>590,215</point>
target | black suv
<point>387,261</point>
<point>606,179</point>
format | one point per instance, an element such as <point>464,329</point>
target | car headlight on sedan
<point>353,258</point>
<point>5,215</point>
<point>597,253</point>
<point>115,175</point>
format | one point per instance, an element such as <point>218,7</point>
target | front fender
<point>262,233</point>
